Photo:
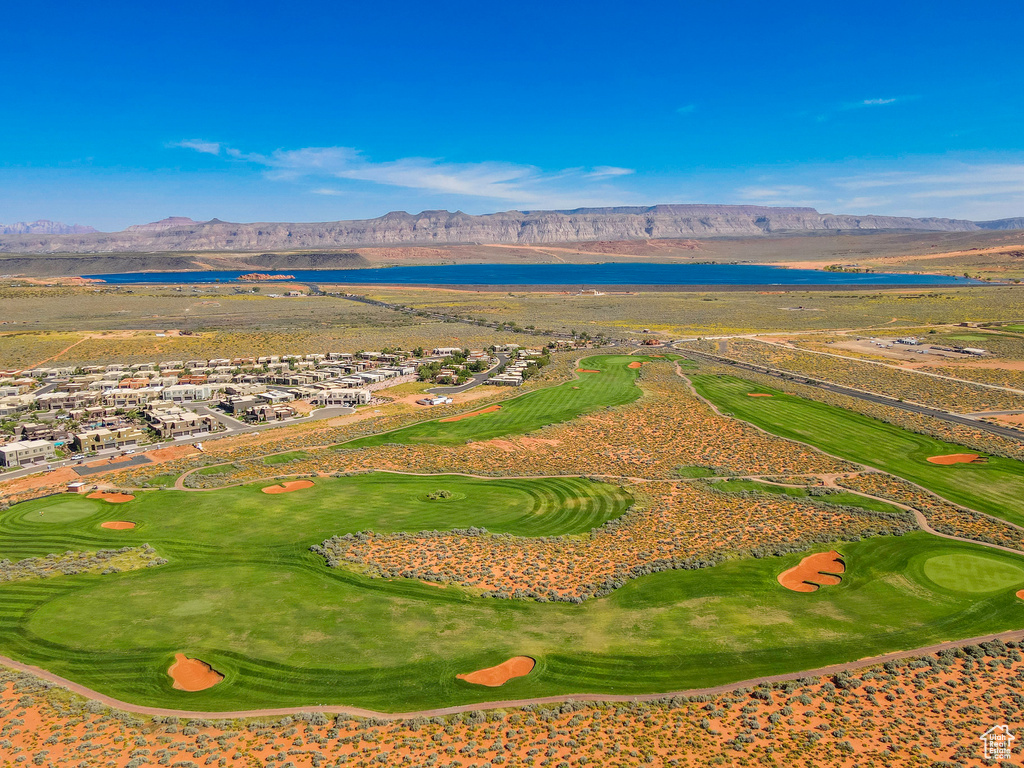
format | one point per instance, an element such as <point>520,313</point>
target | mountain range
<point>448,228</point>
<point>44,227</point>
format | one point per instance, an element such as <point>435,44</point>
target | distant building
<point>24,452</point>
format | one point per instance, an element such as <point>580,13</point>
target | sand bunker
<point>292,485</point>
<point>118,525</point>
<point>634,365</point>
<point>471,415</point>
<point>586,370</point>
<point>113,498</point>
<point>957,458</point>
<point>1020,594</point>
<point>758,394</point>
<point>192,674</point>
<point>814,571</point>
<point>492,677</point>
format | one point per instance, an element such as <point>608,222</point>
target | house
<point>264,413</point>
<point>185,393</point>
<point>21,453</point>
<point>172,421</point>
<point>446,351</point>
<point>131,398</point>
<point>9,406</point>
<point>505,380</point>
<point>237,405</point>
<point>65,401</point>
<point>338,396</point>
<point>105,439</point>
<point>435,400</point>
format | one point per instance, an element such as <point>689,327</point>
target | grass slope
<point>614,385</point>
<point>996,487</point>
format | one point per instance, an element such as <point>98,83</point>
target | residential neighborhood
<point>49,413</point>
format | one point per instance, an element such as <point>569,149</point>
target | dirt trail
<point>59,354</point>
<point>870,661</point>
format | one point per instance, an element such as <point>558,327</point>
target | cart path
<point>833,669</point>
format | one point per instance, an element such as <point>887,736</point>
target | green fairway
<point>973,573</point>
<point>242,591</point>
<point>846,499</point>
<point>614,385</point>
<point>995,487</point>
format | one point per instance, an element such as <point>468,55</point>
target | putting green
<point>69,510</point>
<point>972,573</point>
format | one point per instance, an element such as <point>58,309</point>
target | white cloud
<point>877,102</point>
<point>686,109</point>
<point>607,171</point>
<point>206,147</point>
<point>523,185</point>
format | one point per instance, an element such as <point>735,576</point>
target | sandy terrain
<point>461,416</point>
<point>292,485</point>
<point>588,370</point>
<point>113,498</point>
<point>814,571</point>
<point>192,674</point>
<point>758,394</point>
<point>492,677</point>
<point>955,458</point>
<point>118,525</point>
<point>635,364</point>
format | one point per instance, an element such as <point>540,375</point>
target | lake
<point>574,275</point>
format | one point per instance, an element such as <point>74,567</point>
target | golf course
<point>242,592</point>
<point>995,486</point>
<point>602,381</point>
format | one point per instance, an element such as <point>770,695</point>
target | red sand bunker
<point>192,674</point>
<point>113,498</point>
<point>634,365</point>
<point>758,394</point>
<point>956,458</point>
<point>1020,594</point>
<point>814,571</point>
<point>492,677</point>
<point>471,415</point>
<point>292,485</point>
<point>586,370</point>
<point>118,525</point>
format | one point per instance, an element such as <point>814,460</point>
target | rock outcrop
<point>447,228</point>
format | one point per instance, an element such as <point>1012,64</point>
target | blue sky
<point>120,113</point>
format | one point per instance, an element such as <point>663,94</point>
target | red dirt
<point>118,525</point>
<point>814,571</point>
<point>586,370</point>
<point>492,677</point>
<point>192,674</point>
<point>471,415</point>
<point>758,394</point>
<point>1020,594</point>
<point>113,498</point>
<point>636,364</point>
<point>955,458</point>
<point>292,485</point>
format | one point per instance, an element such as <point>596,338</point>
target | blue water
<point>555,274</point>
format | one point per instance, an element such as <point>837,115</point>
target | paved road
<point>954,418</point>
<point>478,379</point>
<point>834,669</point>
